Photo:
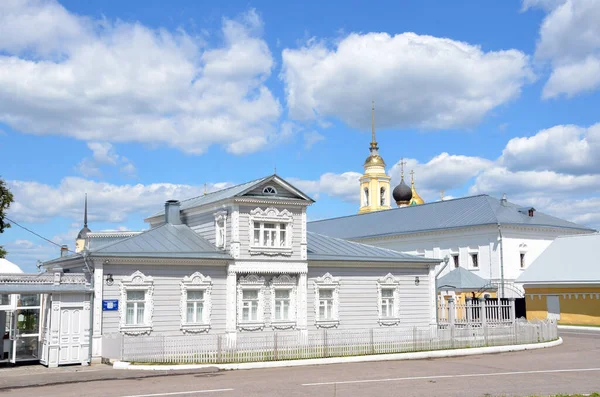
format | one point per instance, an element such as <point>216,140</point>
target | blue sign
<point>110,304</point>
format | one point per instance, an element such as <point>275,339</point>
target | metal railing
<point>293,345</point>
<point>476,312</point>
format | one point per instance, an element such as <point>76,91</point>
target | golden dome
<point>416,199</point>
<point>374,159</point>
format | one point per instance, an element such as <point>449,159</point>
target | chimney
<point>64,250</point>
<point>172,215</point>
<point>503,200</point>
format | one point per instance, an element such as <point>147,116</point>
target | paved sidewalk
<point>24,376</point>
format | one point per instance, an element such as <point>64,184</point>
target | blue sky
<point>138,102</point>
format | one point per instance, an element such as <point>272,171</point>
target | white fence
<point>477,312</point>
<point>292,345</point>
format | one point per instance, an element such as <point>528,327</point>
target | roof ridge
<point>225,188</point>
<point>405,208</point>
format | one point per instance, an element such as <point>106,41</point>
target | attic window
<point>270,190</point>
<point>530,212</point>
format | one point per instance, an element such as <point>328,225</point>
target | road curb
<point>578,328</point>
<point>343,360</point>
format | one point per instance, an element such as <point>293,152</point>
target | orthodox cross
<point>402,163</point>
<point>412,176</point>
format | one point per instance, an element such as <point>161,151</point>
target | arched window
<point>270,190</point>
<point>382,196</point>
<point>366,196</point>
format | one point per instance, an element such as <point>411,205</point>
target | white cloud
<point>570,41</point>
<point>498,180</point>
<point>113,81</point>
<point>103,153</point>
<point>344,186</point>
<point>563,148</point>
<point>37,202</point>
<point>415,80</point>
<point>310,138</point>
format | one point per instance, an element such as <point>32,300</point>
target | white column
<point>97,312</point>
<point>231,315</point>
<point>235,232</point>
<point>301,307</point>
<point>432,297</point>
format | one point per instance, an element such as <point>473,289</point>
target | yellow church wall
<point>578,306</point>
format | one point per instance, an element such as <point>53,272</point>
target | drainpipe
<point>446,260</point>
<point>500,244</point>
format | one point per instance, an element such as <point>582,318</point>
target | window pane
<point>136,295</point>
<point>387,293</point>
<point>325,293</point>
<point>282,294</point>
<point>322,311</point>
<point>256,236</point>
<point>286,310</point>
<point>282,241</point>
<point>269,226</point>
<point>250,294</point>
<point>130,311</point>
<point>195,295</point>
<point>140,313</point>
<point>199,308</point>
<point>190,312</point>
<point>29,300</point>
<point>4,299</point>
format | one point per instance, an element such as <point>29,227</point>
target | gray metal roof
<point>461,279</point>
<point>234,191</point>
<point>43,283</point>
<point>569,259</point>
<point>98,240</point>
<point>325,248</point>
<point>167,240</point>
<point>449,214</point>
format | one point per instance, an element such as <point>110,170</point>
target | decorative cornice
<point>269,267</point>
<point>279,202</point>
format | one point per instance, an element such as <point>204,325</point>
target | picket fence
<point>477,312</point>
<point>293,345</point>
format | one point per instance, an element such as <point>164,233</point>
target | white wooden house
<point>241,260</point>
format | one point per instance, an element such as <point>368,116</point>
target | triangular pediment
<point>275,187</point>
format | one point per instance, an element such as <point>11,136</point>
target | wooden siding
<point>166,319</point>
<point>281,191</point>
<point>203,224</point>
<point>245,232</point>
<point>358,296</point>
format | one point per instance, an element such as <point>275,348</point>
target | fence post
<point>415,339</point>
<point>372,342</point>
<point>325,347</point>
<point>275,345</point>
<point>451,319</point>
<point>468,308</point>
<point>513,313</point>
<point>219,348</point>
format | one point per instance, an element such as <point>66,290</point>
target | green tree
<point>6,198</point>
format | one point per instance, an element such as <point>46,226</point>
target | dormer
<point>529,211</point>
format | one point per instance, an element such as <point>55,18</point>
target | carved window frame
<point>221,223</point>
<point>271,215</point>
<point>393,283</point>
<point>196,282</point>
<point>138,281</point>
<point>289,283</point>
<point>246,283</point>
<point>327,281</point>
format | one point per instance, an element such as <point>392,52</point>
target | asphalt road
<point>573,367</point>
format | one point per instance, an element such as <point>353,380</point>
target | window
<point>250,305</point>
<point>475,260</point>
<point>251,302</point>
<point>327,301</point>
<point>270,234</point>
<point>136,305</point>
<point>195,303</point>
<point>455,260</point>
<point>522,260</point>
<point>283,302</point>
<point>269,190</point>
<point>195,306</point>
<point>220,229</point>
<point>136,314</point>
<point>366,197</point>
<point>270,231</point>
<point>382,196</point>
<point>388,295</point>
<point>4,299</point>
<point>387,302</point>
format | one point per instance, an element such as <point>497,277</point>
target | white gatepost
<point>433,297</point>
<point>301,308</point>
<point>468,308</point>
<point>231,313</point>
<point>96,342</point>
<point>511,302</point>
